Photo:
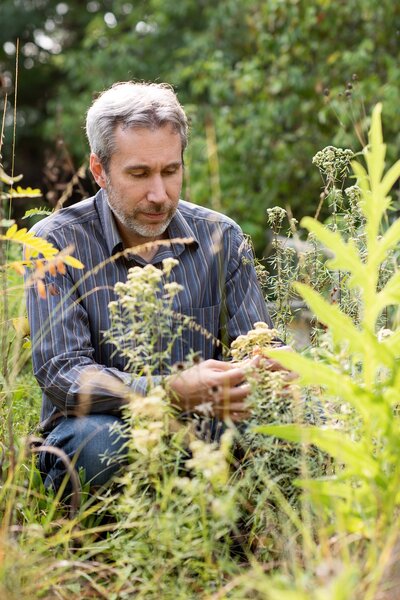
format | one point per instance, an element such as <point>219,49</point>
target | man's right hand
<point>216,385</point>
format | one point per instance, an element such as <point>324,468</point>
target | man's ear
<point>97,170</point>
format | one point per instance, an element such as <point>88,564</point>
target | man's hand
<point>219,388</point>
<point>214,387</point>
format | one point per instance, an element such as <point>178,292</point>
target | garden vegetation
<point>303,503</point>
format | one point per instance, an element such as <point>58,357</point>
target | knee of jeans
<point>101,455</point>
<point>92,447</point>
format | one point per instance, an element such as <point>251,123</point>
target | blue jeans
<point>84,440</point>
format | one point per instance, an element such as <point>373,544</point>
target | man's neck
<point>133,240</point>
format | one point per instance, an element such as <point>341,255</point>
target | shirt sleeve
<point>244,300</point>
<point>63,354</point>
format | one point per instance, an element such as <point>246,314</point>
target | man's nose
<point>157,189</point>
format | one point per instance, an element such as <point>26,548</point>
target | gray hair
<point>131,104</point>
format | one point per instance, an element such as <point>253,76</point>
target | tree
<point>251,74</point>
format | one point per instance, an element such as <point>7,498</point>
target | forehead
<point>145,146</point>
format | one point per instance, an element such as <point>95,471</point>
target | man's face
<point>143,181</point>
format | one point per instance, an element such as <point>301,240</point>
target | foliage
<point>304,504</point>
<point>265,84</point>
<point>363,493</point>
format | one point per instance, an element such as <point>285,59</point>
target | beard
<point>131,220</point>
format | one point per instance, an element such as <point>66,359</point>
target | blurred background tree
<point>266,83</point>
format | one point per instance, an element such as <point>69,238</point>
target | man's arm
<point>63,353</point>
<point>244,301</point>
<point>221,385</point>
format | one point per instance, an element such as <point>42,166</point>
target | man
<point>137,135</point>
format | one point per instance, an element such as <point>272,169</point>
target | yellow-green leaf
<point>11,231</point>
<point>21,326</point>
<point>313,373</point>
<point>7,179</point>
<point>340,325</point>
<point>392,344</point>
<point>72,262</point>
<point>34,245</point>
<point>334,442</point>
<point>389,240</point>
<point>376,150</point>
<point>390,294</point>
<point>20,192</point>
<point>388,181</point>
<point>346,255</point>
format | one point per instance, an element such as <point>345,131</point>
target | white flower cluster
<point>256,342</point>
<point>146,440</point>
<point>168,264</point>
<point>333,161</point>
<point>134,331</point>
<point>275,215</point>
<point>210,461</point>
<point>148,420</point>
<point>154,406</point>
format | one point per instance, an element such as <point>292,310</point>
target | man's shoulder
<point>67,218</point>
<point>194,213</point>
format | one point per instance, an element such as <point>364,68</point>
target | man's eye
<point>138,175</point>
<point>170,171</point>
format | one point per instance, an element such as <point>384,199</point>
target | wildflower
<point>275,215</point>
<point>172,288</point>
<point>153,406</point>
<point>209,462</point>
<point>144,440</point>
<point>168,264</point>
<point>333,161</point>
<point>255,342</point>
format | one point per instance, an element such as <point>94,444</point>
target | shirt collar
<point>109,226</point>
<point>178,228</point>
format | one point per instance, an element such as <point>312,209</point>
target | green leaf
<point>340,325</point>
<point>389,240</point>
<point>334,442</point>
<point>390,294</point>
<point>329,486</point>
<point>376,150</point>
<point>313,373</point>
<point>392,344</point>
<point>346,255</point>
<point>33,212</point>
<point>388,181</point>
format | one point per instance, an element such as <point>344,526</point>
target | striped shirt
<point>220,292</point>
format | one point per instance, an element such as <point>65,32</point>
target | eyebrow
<point>145,167</point>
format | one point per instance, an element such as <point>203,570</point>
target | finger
<point>239,392</point>
<point>239,407</point>
<point>238,417</point>
<point>218,365</point>
<point>272,364</point>
<point>291,376</point>
<point>231,378</point>
<point>235,412</point>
